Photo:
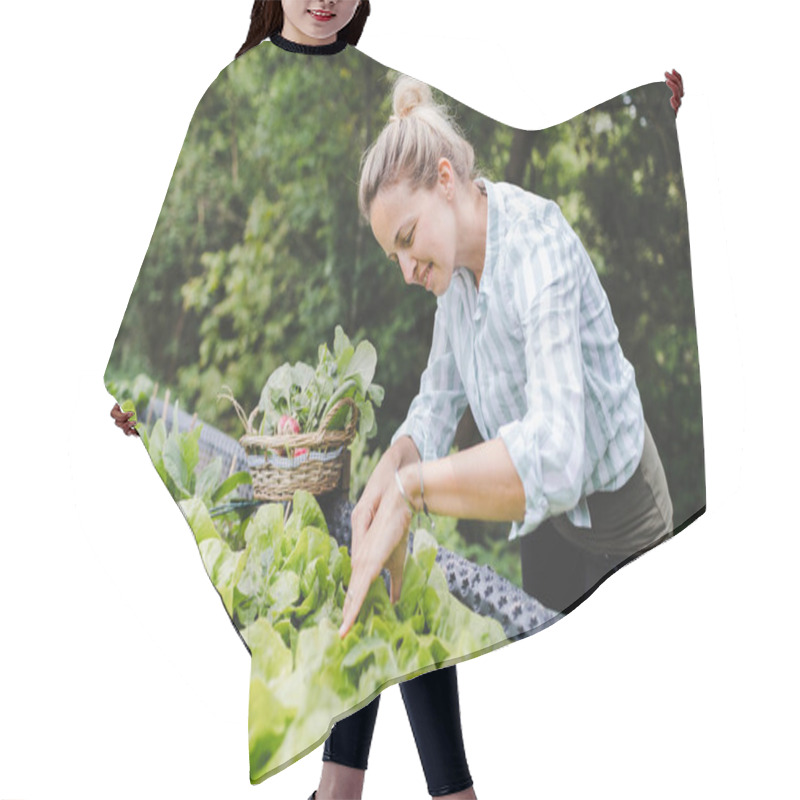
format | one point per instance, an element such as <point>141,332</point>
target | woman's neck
<point>472,216</point>
<point>294,34</point>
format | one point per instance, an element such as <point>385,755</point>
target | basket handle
<point>227,394</point>
<point>350,429</point>
<point>251,421</point>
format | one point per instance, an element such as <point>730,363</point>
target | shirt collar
<point>307,49</point>
<point>492,238</point>
<point>492,250</point>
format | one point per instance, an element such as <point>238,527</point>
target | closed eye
<point>405,242</point>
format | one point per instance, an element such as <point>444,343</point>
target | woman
<point>524,335</point>
<point>325,27</point>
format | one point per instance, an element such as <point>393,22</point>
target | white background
<point>120,675</point>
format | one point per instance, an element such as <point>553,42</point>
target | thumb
<point>396,585</point>
<point>395,565</point>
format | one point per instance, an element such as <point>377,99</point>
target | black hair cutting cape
<point>260,259</point>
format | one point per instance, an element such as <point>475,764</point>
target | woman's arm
<point>478,483</point>
<point>381,517</point>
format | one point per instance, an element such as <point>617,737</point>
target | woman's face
<point>316,22</point>
<point>417,230</point>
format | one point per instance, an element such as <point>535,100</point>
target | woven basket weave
<point>326,466</point>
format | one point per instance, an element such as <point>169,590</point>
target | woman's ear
<point>447,178</point>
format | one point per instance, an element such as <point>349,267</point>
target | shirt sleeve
<point>547,446</point>
<point>436,410</point>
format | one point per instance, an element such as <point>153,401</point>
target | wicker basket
<point>324,467</point>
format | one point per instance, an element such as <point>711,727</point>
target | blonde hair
<point>417,135</point>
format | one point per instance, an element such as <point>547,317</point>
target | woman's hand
<point>366,519</point>
<point>383,542</point>
<point>122,419</point>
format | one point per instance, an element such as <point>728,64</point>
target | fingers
<point>396,564</point>
<point>675,84</point>
<point>395,584</point>
<point>361,518</point>
<point>128,425</point>
<point>364,571</point>
<point>384,543</point>
<point>360,582</point>
<point>124,420</point>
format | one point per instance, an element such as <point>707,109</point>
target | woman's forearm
<point>478,483</point>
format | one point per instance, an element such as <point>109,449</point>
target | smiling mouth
<point>322,16</point>
<point>426,276</point>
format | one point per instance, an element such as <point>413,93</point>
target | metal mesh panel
<point>213,442</point>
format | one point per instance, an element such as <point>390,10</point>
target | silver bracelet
<point>403,491</point>
<point>422,491</point>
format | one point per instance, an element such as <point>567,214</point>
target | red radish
<point>288,425</point>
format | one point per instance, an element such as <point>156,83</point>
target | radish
<point>288,425</point>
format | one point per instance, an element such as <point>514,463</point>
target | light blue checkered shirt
<point>535,354</point>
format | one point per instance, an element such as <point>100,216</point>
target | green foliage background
<point>259,251</point>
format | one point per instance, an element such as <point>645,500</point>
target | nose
<point>408,267</point>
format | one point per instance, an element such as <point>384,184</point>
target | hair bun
<point>409,94</point>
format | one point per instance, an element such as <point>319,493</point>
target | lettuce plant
<point>285,591</point>
<point>306,394</point>
<point>176,456</point>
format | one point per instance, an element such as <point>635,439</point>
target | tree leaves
<point>259,251</point>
